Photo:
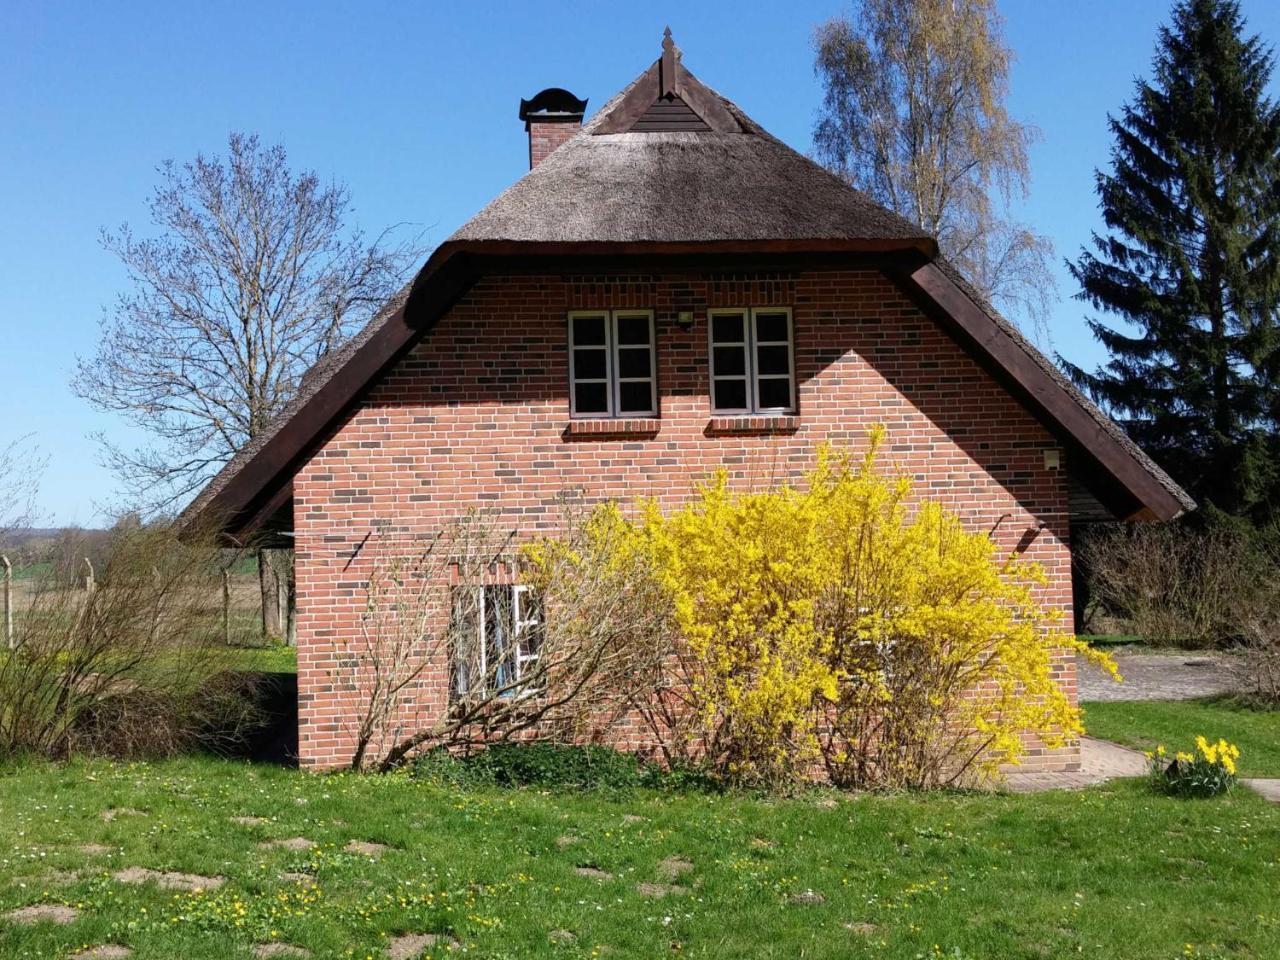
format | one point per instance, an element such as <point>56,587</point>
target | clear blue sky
<point>413,105</point>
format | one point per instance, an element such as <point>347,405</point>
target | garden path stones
<point>114,813</point>
<point>366,848</point>
<point>171,880</point>
<point>94,849</point>
<point>1100,761</point>
<point>305,879</point>
<point>409,946</point>
<point>808,898</point>
<point>106,951</point>
<point>43,913</point>
<point>1267,789</point>
<point>277,949</point>
<point>562,936</point>
<point>249,821</point>
<point>566,841</point>
<point>659,889</point>
<point>293,843</point>
<point>673,868</point>
<point>865,929</point>
<point>630,818</point>
<point>595,873</point>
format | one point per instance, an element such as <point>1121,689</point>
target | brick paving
<point>1175,675</point>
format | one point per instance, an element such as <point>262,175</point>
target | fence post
<point>88,577</point>
<point>8,602</point>
<point>226,606</point>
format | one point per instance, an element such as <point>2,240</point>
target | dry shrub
<point>1176,585</point>
<point>601,623</point>
<point>132,668</point>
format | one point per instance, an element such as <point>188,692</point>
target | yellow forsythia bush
<point>837,625</point>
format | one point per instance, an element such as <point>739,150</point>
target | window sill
<point>744,424</point>
<point>599,427</point>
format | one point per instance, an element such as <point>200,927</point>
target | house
<point>669,290</point>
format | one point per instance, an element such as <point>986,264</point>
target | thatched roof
<point>686,187</point>
<point>668,167</point>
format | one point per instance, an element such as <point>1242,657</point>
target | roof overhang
<point>258,490</point>
<point>1108,466</point>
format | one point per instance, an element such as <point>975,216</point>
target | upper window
<point>752,360</point>
<point>611,364</point>
<point>497,639</point>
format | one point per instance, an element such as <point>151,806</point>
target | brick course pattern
<point>544,137</point>
<point>476,415</point>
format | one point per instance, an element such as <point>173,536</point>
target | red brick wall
<point>545,137</point>
<point>477,415</point>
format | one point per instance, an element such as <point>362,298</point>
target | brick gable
<point>477,414</point>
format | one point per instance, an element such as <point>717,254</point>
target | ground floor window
<point>496,634</point>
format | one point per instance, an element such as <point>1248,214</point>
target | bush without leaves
<point>133,668</point>
<point>1177,585</point>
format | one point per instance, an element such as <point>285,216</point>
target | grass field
<point>1145,723</point>
<point>1109,873</point>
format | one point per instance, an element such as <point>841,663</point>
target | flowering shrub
<point>838,625</point>
<point>1207,772</point>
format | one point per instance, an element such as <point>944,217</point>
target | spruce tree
<point>1191,260</point>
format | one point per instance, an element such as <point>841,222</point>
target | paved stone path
<point>1176,675</point>
<point>1100,761</point>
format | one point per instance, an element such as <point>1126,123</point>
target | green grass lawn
<point>267,659</point>
<point>1175,723</point>
<point>1108,873</point>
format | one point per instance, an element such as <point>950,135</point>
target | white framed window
<point>612,364</point>
<point>496,640</point>
<point>752,360</point>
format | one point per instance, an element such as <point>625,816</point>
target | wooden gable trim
<point>648,90</point>
<point>1131,489</point>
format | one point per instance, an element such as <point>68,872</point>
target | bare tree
<point>590,631</point>
<point>21,466</point>
<point>253,277</point>
<point>914,114</point>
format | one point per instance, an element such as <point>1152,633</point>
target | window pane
<point>588,330</point>
<point>635,397</point>
<point>775,393</point>
<point>465,640</point>
<point>729,394</point>
<point>589,364</point>
<point>727,329</point>
<point>773,360</point>
<point>771,326</point>
<point>730,361</point>
<point>591,397</point>
<point>633,329</point>
<point>633,363</point>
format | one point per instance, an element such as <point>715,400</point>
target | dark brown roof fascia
<point>1135,494</point>
<point>633,105</point>
<point>262,485</point>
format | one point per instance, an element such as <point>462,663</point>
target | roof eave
<point>1136,489</point>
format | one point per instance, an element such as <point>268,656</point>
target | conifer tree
<point>1191,260</point>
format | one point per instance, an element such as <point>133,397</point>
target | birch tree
<point>914,114</point>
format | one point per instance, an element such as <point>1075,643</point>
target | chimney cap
<point>552,105</point>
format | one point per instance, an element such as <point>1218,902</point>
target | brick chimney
<point>550,118</point>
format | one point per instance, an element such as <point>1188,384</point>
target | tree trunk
<point>270,595</point>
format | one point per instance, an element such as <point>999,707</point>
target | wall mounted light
<point>684,320</point>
